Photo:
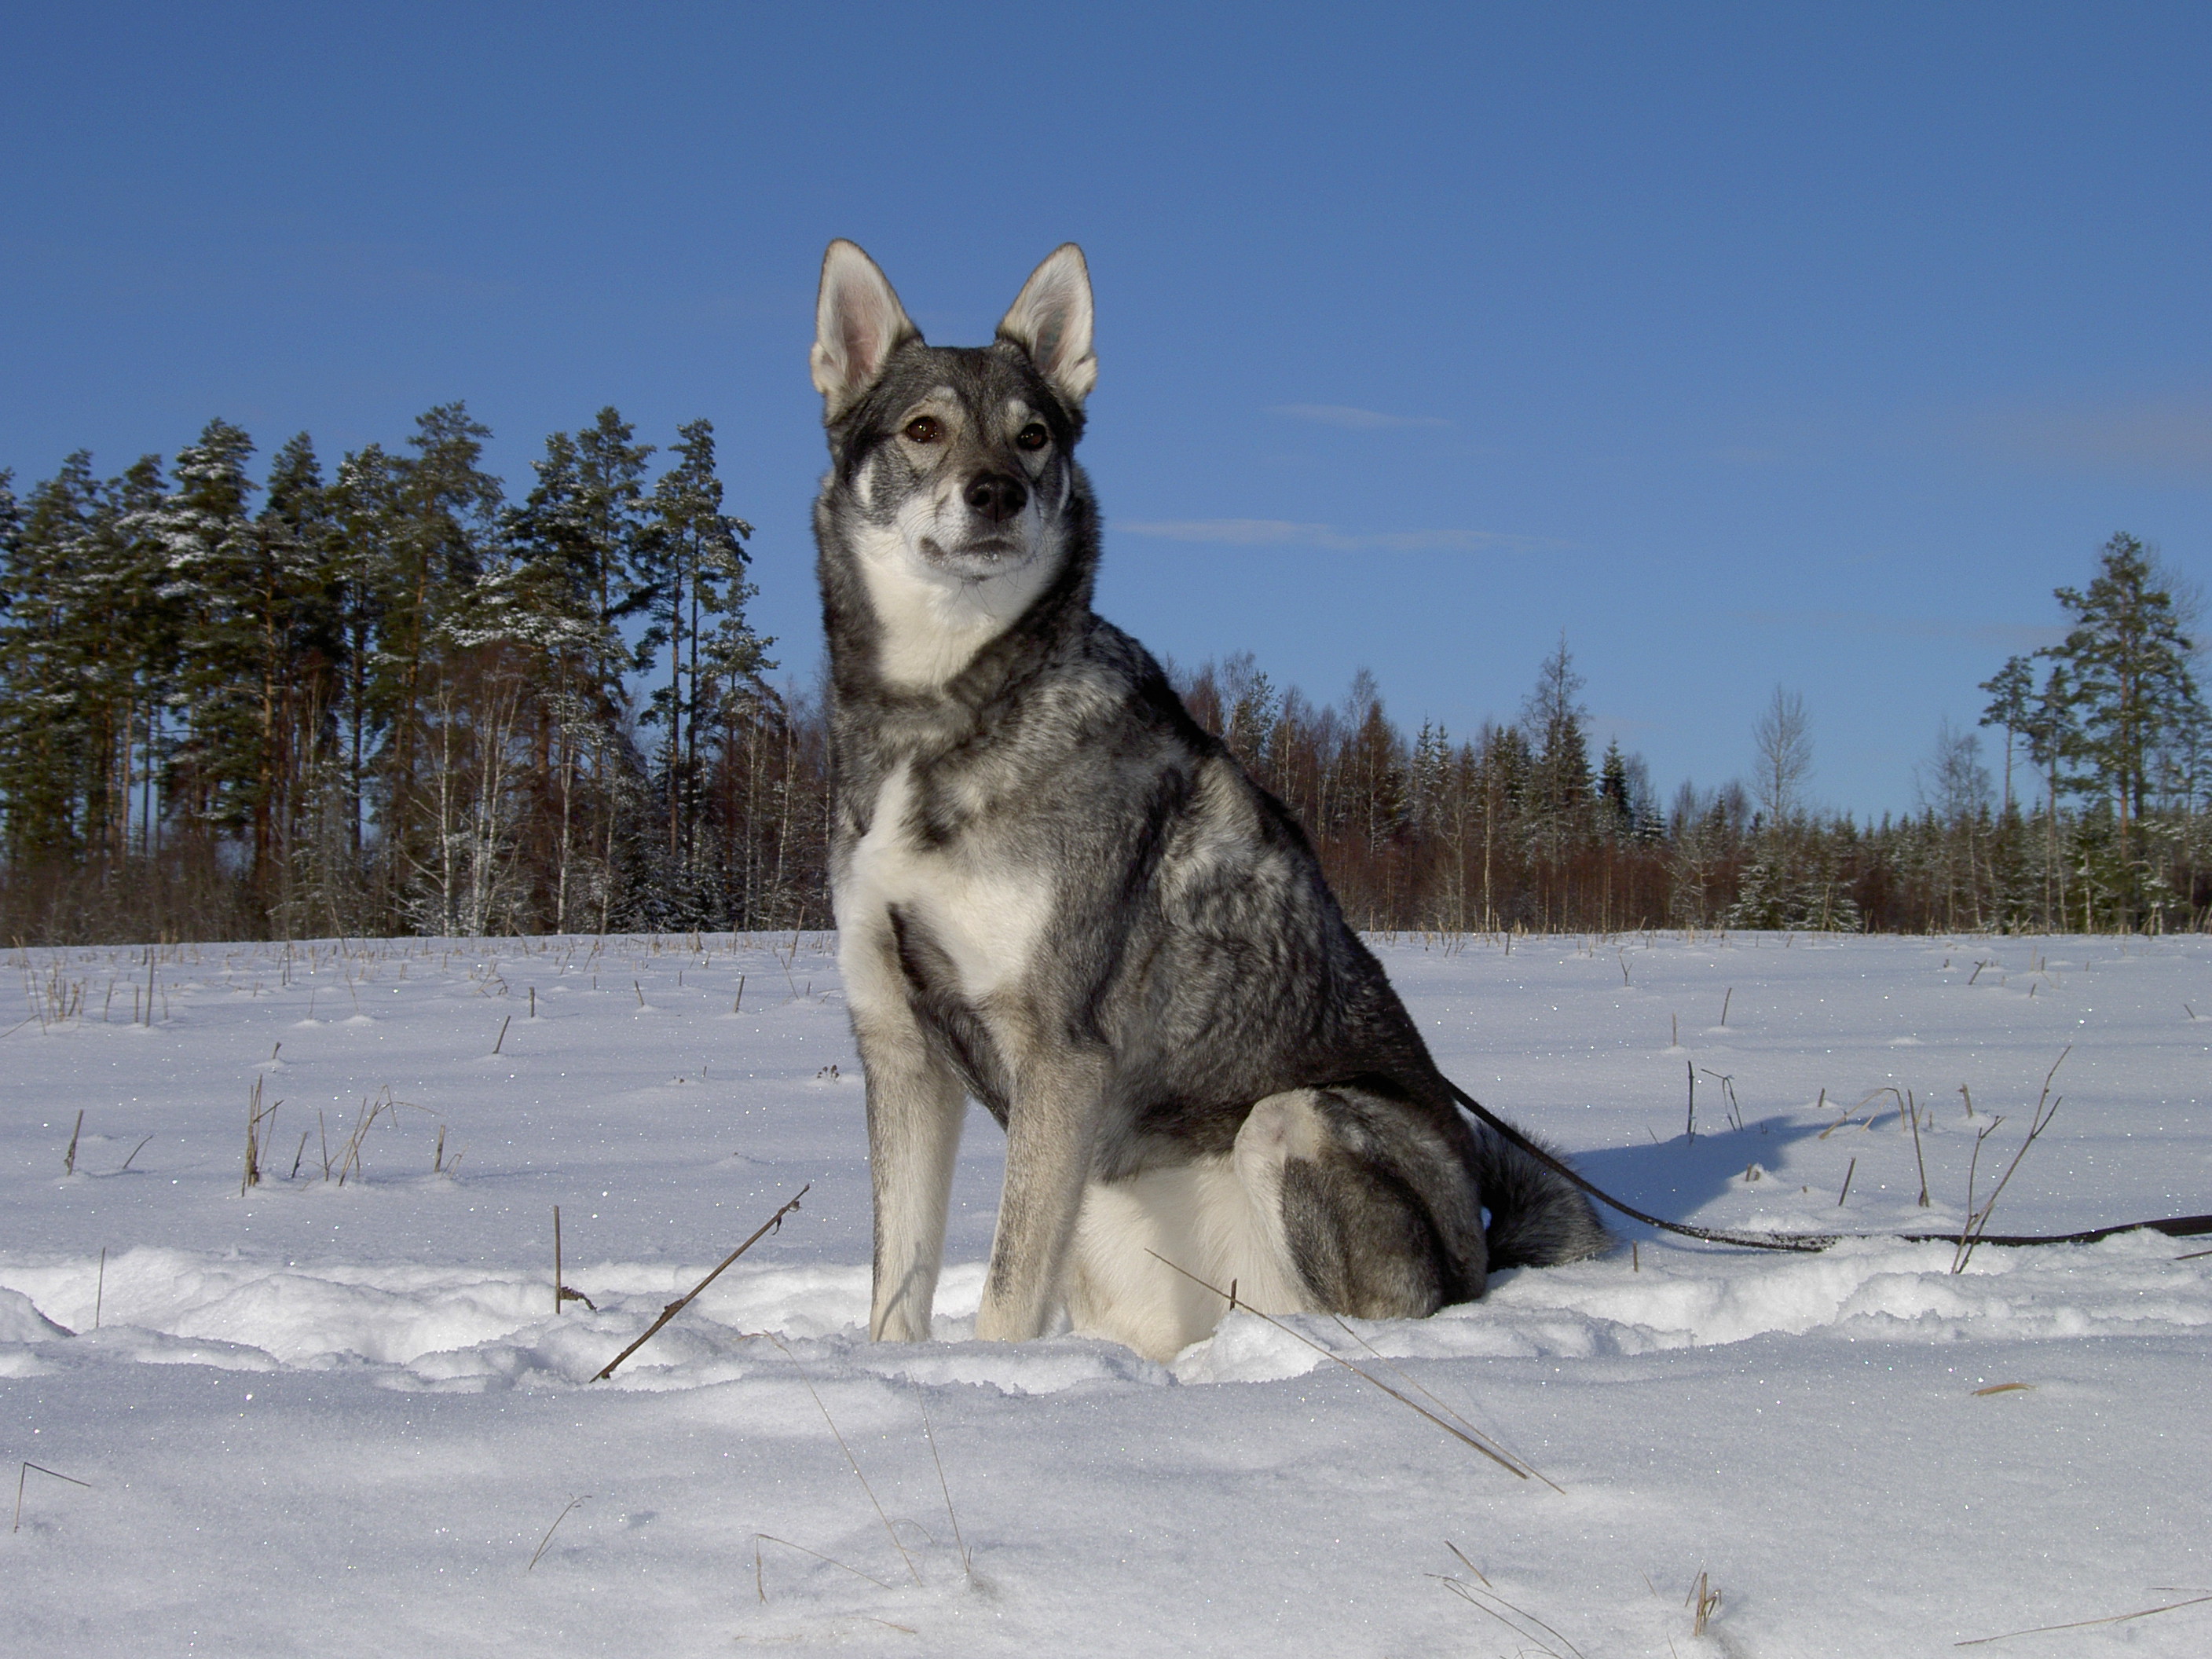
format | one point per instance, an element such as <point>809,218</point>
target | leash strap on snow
<point>2183,1226</point>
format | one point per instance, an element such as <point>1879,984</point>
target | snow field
<point>344,1418</point>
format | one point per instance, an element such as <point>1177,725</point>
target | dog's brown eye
<point>1032,436</point>
<point>923,429</point>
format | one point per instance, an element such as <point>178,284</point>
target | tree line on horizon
<point>385,699</point>
<point>388,700</point>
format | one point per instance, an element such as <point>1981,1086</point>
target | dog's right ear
<point>858,323</point>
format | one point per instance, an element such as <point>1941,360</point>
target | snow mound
<point>22,1321</point>
<point>462,1330</point>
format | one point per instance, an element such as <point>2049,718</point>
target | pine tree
<point>439,530</point>
<point>202,535</point>
<point>42,744</point>
<point>300,613</point>
<point>583,529</point>
<point>2012,692</point>
<point>364,510</point>
<point>120,598</point>
<point>694,557</point>
<point>2130,693</point>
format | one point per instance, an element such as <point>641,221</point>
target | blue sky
<point>1747,345</point>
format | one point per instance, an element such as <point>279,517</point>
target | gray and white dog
<point>1056,893</point>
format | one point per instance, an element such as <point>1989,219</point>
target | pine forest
<point>382,698</point>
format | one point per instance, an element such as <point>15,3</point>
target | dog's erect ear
<point>858,323</point>
<point>1051,321</point>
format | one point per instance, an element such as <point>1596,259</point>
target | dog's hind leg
<point>1134,1235</point>
<point>1379,1212</point>
<point>1159,1253</point>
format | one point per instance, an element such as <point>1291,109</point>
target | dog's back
<point>1057,894</point>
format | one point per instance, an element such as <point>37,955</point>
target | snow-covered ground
<point>341,1418</point>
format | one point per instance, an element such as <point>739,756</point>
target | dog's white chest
<point>985,913</point>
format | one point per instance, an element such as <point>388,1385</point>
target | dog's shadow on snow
<point>1674,1178</point>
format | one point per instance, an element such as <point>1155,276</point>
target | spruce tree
<point>1618,804</point>
<point>1553,716</point>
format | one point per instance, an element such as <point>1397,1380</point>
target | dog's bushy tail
<point>1538,1217</point>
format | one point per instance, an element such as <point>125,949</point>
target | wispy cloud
<point>2171,437</point>
<point>1353,420</point>
<point>1283,532</point>
<point>2001,636</point>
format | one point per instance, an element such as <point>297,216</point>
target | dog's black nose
<point>997,496</point>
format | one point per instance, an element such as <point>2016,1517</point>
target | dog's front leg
<point>915,1110</point>
<point>1052,1131</point>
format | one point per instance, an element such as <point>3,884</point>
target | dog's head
<point>953,478</point>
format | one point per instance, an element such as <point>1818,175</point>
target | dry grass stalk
<point>2003,1388</point>
<point>774,1223</point>
<point>1706,1598</point>
<point>1912,1113</point>
<point>135,1151</point>
<point>1399,1372</point>
<point>550,1531</point>
<point>1872,1094</point>
<point>501,1037</point>
<point>759,1577</point>
<point>1978,1222</point>
<point>1459,1432</point>
<point>838,1435</point>
<point>24,1473</point>
<point>99,1288</point>
<point>1849,1170</point>
<point>257,1132</point>
<point>1480,1595</point>
<point>959,1543</point>
<point>2085,1624</point>
<point>1727,1080</point>
<point>69,1158</point>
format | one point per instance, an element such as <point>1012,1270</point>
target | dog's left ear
<point>1051,321</point>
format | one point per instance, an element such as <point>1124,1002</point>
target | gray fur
<point>1076,907</point>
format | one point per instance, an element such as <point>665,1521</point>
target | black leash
<point>2180,1226</point>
